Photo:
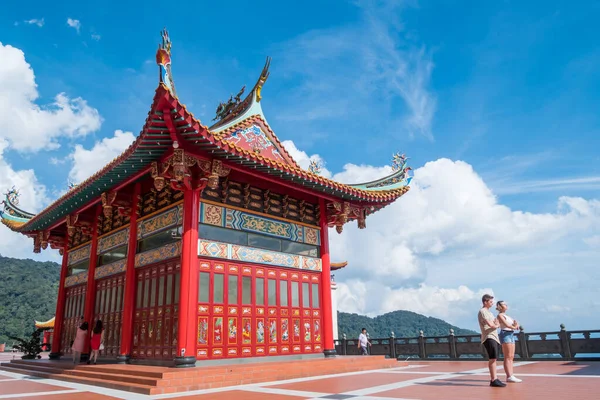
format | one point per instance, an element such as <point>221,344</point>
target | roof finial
<point>262,79</point>
<point>315,167</point>
<point>224,109</point>
<point>12,195</point>
<point>163,59</point>
<point>398,161</point>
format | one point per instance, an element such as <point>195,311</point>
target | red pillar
<point>188,292</point>
<point>90,293</point>
<point>60,305</point>
<point>329,348</point>
<point>129,294</point>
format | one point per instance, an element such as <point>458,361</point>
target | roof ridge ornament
<point>264,75</point>
<point>227,111</point>
<point>10,214</point>
<point>315,167</point>
<point>399,160</point>
<point>12,195</point>
<point>163,60</point>
<point>224,109</point>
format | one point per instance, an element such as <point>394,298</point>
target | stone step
<point>121,369</point>
<point>101,382</point>
<point>87,371</point>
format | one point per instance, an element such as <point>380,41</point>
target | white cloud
<point>439,247</point>
<point>593,241</point>
<point>88,162</point>
<point>34,21</point>
<point>96,37</point>
<point>74,23</point>
<point>57,161</point>
<point>553,308</point>
<point>304,159</point>
<point>28,126</point>
<point>360,296</point>
<point>33,198</point>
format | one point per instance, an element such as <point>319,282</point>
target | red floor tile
<point>348,383</point>
<point>70,396</point>
<point>448,366</point>
<point>238,394</point>
<point>26,386</point>
<point>477,387</point>
<point>560,368</point>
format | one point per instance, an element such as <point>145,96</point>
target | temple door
<point>155,317</point>
<point>109,309</point>
<point>74,306</point>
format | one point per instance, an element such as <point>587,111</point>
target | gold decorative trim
<point>114,231</point>
<point>162,210</point>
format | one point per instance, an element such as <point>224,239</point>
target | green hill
<point>402,323</point>
<point>27,292</point>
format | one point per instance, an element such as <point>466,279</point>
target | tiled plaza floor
<point>419,381</point>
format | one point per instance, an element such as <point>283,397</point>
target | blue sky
<point>510,88</point>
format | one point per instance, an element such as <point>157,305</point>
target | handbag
<point>101,346</point>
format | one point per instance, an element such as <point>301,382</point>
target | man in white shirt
<point>489,337</point>
<point>363,342</point>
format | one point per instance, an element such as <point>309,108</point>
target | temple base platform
<point>153,380</point>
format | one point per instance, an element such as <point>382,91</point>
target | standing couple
<point>491,340</point>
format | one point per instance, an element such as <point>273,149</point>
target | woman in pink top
<point>507,338</point>
<point>79,342</point>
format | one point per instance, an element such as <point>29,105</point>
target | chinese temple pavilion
<point>201,242</point>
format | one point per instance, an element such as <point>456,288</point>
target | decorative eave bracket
<point>340,213</point>
<point>178,170</point>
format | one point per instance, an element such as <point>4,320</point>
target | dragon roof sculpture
<point>10,214</point>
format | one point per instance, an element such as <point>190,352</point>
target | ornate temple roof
<point>45,325</point>
<point>241,136</point>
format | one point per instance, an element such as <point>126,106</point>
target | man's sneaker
<point>514,379</point>
<point>497,383</point>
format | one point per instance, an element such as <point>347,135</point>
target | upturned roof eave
<point>90,190</point>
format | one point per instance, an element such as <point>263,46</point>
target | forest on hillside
<point>402,323</point>
<point>27,293</point>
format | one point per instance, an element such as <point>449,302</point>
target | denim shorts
<point>507,337</point>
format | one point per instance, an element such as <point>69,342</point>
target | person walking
<point>363,342</point>
<point>489,337</point>
<point>96,342</point>
<point>79,342</point>
<point>507,339</point>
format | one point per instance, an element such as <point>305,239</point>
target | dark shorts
<point>491,346</point>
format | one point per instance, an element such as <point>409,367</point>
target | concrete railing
<point>561,345</point>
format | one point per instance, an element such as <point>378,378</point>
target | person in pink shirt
<point>79,342</point>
